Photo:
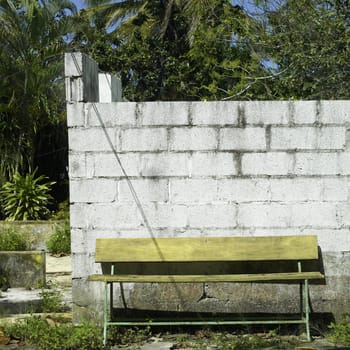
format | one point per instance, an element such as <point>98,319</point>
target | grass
<point>11,240</point>
<point>57,334</point>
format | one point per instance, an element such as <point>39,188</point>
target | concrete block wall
<point>210,169</point>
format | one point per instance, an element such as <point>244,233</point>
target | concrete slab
<point>24,300</point>
<point>158,346</point>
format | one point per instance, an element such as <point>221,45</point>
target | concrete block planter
<point>25,269</point>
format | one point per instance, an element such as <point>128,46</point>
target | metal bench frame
<point>300,277</point>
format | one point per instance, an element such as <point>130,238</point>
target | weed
<point>37,331</point>
<point>59,242</point>
<point>51,301</point>
<point>11,240</point>
<point>124,336</point>
<point>62,213</point>
<point>340,332</point>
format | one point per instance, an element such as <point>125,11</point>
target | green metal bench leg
<point>307,310</point>
<point>105,315</point>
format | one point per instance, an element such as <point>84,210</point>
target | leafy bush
<point>51,301</point>
<point>26,197</point>
<point>59,242</point>
<point>38,332</point>
<point>340,332</point>
<point>11,240</point>
<point>63,211</point>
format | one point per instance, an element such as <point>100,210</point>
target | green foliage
<point>165,52</point>
<point>308,40</point>
<point>59,242</point>
<point>11,240</point>
<point>129,335</point>
<point>26,197</point>
<point>340,332</point>
<point>38,332</point>
<point>209,339</point>
<point>63,211</point>
<point>51,301</point>
<point>32,43</point>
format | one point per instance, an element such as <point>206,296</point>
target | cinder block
<point>193,190</point>
<point>110,216</point>
<point>93,233</point>
<point>78,216</point>
<point>81,74</point>
<point>316,164</point>
<point>304,112</point>
<point>164,164</point>
<point>164,113</point>
<point>93,190</point>
<point>111,114</point>
<point>81,267</point>
<point>75,114</point>
<point>110,87</point>
<point>264,215</point>
<point>212,215</point>
<point>77,165</point>
<point>296,189</point>
<point>144,139</point>
<point>335,189</point>
<point>147,190</point>
<point>246,139</point>
<point>343,212</point>
<point>273,163</point>
<point>166,215</point>
<point>193,139</point>
<point>308,138</point>
<point>215,113</point>
<point>314,214</point>
<point>91,140</point>
<point>78,241</point>
<point>334,112</point>
<point>331,240</point>
<point>213,164</point>
<point>243,190</point>
<point>115,165</point>
<point>344,163</point>
<point>266,112</point>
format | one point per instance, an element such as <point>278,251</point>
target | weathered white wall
<point>211,168</point>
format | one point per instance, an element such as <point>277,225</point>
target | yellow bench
<point>216,259</point>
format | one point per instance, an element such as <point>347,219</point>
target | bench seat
<point>270,277</point>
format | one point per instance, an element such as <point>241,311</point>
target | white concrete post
<point>81,74</point>
<point>110,87</point>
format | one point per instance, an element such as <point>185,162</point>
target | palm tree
<point>32,42</point>
<point>154,16</point>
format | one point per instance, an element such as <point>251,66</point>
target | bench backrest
<point>206,249</point>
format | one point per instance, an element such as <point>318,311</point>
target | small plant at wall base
<point>26,197</point>
<point>59,242</point>
<point>340,331</point>
<point>38,332</point>
<point>11,240</point>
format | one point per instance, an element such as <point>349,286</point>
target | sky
<point>79,3</point>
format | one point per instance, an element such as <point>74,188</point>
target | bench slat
<point>297,276</point>
<point>206,249</point>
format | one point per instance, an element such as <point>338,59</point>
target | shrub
<point>26,197</point>
<point>340,332</point>
<point>11,240</point>
<point>63,211</point>
<point>59,242</point>
<point>38,332</point>
<point>51,301</point>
